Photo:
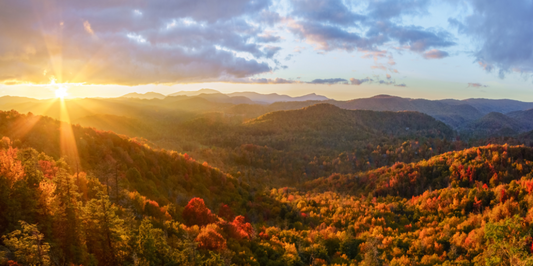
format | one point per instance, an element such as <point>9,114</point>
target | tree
<point>506,243</point>
<point>196,213</point>
<point>105,233</point>
<point>210,239</point>
<point>28,245</point>
<point>151,245</point>
<point>67,213</point>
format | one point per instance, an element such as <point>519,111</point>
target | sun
<point>61,92</point>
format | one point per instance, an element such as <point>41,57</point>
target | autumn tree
<point>196,213</point>
<point>28,245</point>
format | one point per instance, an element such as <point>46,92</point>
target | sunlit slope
<point>326,117</point>
<point>174,107</point>
<point>118,124</point>
<point>490,165</point>
<point>330,126</point>
<point>158,174</point>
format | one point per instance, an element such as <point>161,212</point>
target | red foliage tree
<point>196,213</point>
<point>241,229</point>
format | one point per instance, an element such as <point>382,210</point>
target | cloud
<point>379,66</point>
<point>504,34</point>
<point>387,9</point>
<point>417,38</point>
<point>376,80</point>
<point>476,85</point>
<point>270,51</point>
<point>329,81</point>
<point>267,37</point>
<point>88,28</point>
<point>435,54</point>
<point>330,37</point>
<point>261,81</point>
<point>269,17</point>
<point>154,42</point>
<point>375,54</point>
<point>354,81</point>
<point>328,11</point>
<point>333,25</point>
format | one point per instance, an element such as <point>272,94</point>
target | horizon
<point>279,94</point>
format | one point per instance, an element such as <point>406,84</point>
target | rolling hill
<point>486,106</point>
<point>495,124</point>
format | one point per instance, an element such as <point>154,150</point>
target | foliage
<point>28,245</point>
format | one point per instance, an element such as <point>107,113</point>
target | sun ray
<point>67,141</point>
<point>21,128</point>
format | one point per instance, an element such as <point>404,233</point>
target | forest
<point>310,185</point>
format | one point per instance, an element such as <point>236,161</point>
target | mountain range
<point>235,97</point>
<point>471,116</point>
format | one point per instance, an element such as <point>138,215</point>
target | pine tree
<point>67,214</point>
<point>105,233</point>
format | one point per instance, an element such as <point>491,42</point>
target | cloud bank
<point>181,41</point>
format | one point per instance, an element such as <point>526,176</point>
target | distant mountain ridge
<point>194,93</point>
<point>487,105</point>
<point>274,97</point>
<point>247,97</point>
<point>148,95</point>
<point>514,117</point>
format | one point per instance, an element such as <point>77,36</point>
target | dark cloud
<point>131,43</point>
<point>330,37</point>
<point>329,81</point>
<point>435,54</point>
<point>328,11</point>
<point>269,17</point>
<point>505,34</point>
<point>376,80</point>
<point>270,51</point>
<point>333,25</point>
<point>417,38</point>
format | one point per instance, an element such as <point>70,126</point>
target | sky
<point>340,49</point>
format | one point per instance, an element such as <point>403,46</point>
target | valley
<point>368,182</point>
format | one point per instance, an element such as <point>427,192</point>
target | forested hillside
<point>128,204</point>
<point>318,185</point>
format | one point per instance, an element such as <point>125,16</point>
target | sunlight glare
<point>61,92</point>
